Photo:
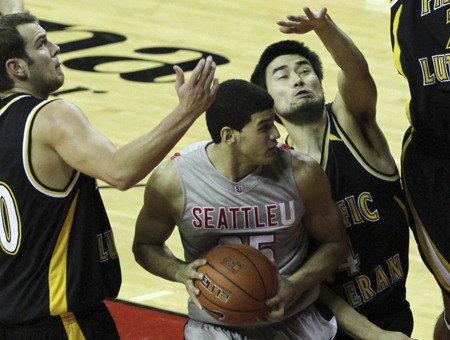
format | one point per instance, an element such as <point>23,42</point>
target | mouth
<point>302,94</point>
<point>273,148</point>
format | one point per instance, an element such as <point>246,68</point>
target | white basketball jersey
<point>263,210</point>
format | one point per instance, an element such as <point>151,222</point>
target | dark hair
<point>283,48</point>
<point>235,102</point>
<point>12,44</point>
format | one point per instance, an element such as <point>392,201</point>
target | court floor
<point>118,58</point>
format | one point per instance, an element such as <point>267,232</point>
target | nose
<point>275,134</point>
<point>296,79</point>
<point>54,49</point>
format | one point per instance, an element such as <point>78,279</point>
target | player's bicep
<point>322,217</point>
<point>66,129</point>
<point>327,225</point>
<point>155,222</point>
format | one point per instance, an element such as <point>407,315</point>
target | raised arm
<point>63,129</point>
<point>154,225</point>
<point>357,91</point>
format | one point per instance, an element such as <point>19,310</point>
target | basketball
<point>237,282</point>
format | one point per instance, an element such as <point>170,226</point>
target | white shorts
<point>309,324</point>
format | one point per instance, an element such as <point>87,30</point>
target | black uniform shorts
<point>96,323</point>
<point>426,179</point>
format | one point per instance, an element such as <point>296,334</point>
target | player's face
<point>295,88</point>
<point>258,138</point>
<point>44,73</point>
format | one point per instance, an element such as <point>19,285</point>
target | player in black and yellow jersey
<point>346,140</point>
<point>58,261</point>
<point>420,35</point>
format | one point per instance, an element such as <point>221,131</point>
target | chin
<point>270,158</point>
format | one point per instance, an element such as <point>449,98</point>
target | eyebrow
<point>39,37</point>
<point>265,121</point>
<point>298,63</point>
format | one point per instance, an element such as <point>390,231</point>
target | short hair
<point>236,100</point>
<point>280,48</point>
<point>12,44</point>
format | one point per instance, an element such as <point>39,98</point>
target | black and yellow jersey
<point>57,248</point>
<point>420,37</point>
<point>372,278</point>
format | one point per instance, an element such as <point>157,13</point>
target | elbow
<point>121,182</point>
<point>124,185</point>
<point>138,253</point>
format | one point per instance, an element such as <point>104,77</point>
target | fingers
<point>276,313</point>
<point>194,275</point>
<point>202,77</point>
<point>207,74</point>
<point>205,69</point>
<point>180,76</point>
<point>308,12</point>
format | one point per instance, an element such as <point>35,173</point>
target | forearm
<point>320,265</point>
<point>132,162</point>
<point>159,261</point>
<point>353,323</point>
<point>349,320</point>
<point>343,50</point>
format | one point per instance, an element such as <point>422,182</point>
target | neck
<point>227,162</point>
<point>307,138</point>
<point>8,93</point>
<point>24,90</point>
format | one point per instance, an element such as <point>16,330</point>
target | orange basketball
<point>237,282</point>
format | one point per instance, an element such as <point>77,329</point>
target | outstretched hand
<point>303,23</point>
<point>197,93</point>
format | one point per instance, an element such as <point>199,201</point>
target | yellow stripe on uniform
<point>397,50</point>
<point>72,327</point>
<point>57,276</point>
<point>439,265</point>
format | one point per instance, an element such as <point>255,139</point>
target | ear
<point>16,68</point>
<point>227,135</point>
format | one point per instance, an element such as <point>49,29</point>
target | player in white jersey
<point>207,192</point>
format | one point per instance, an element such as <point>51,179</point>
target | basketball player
<point>57,257</point>
<point>420,35</point>
<point>344,138</point>
<point>242,188</point>
<point>11,6</point>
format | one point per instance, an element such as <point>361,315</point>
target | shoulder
<point>308,174</point>
<point>164,179</point>
<point>163,189</point>
<point>303,162</point>
<point>61,108</point>
<point>61,115</point>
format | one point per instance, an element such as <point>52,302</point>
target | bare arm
<point>353,323</point>
<point>64,129</point>
<point>324,223</point>
<point>155,224</point>
<point>357,91</point>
